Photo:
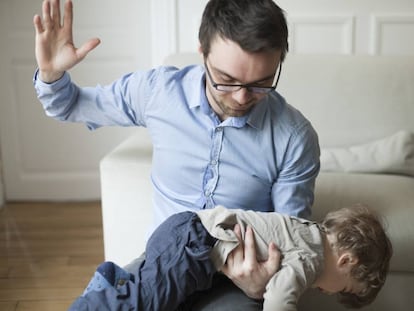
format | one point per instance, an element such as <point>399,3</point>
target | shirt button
<point>207,193</point>
<point>213,162</point>
<point>219,129</point>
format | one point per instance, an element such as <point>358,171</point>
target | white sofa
<point>359,105</point>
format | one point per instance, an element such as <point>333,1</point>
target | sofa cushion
<point>390,195</point>
<point>351,99</point>
<point>393,154</point>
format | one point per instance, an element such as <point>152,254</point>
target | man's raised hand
<point>55,50</point>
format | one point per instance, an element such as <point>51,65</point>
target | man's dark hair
<point>255,25</point>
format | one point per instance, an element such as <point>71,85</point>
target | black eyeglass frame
<point>251,87</point>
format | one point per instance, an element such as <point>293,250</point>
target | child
<point>348,254</point>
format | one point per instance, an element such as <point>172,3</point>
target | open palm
<point>55,49</point>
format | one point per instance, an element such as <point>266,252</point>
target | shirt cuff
<point>53,86</point>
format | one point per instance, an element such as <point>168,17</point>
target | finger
<point>249,247</point>
<point>46,13</point>
<point>237,231</point>
<point>236,255</point>
<point>68,15</point>
<point>55,6</point>
<point>37,22</point>
<point>238,252</point>
<point>87,47</point>
<point>272,264</point>
<point>226,267</point>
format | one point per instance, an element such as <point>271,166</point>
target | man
<point>221,133</point>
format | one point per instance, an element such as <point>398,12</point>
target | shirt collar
<point>257,114</point>
<point>199,97</point>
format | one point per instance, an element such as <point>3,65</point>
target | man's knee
<point>223,296</point>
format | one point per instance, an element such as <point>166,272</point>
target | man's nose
<point>242,96</point>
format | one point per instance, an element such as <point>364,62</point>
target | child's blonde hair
<point>360,231</point>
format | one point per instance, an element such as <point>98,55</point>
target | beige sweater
<point>300,242</point>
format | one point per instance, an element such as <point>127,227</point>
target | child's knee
<point>108,275</point>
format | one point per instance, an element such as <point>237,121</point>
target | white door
<point>44,159</point>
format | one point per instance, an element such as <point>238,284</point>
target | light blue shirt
<point>265,161</point>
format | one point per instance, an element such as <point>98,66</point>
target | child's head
<point>358,231</point>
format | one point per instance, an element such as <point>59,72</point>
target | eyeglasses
<point>249,87</point>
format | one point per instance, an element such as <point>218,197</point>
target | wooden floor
<point>48,252</point>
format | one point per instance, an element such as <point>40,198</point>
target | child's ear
<point>346,260</point>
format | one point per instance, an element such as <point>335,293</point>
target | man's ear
<point>346,260</point>
<point>200,50</point>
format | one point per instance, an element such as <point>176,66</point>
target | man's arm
<point>292,194</point>
<point>54,47</point>
<point>245,271</point>
<point>293,191</point>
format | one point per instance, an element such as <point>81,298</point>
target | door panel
<point>48,160</point>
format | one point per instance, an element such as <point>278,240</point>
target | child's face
<point>342,284</point>
<point>337,277</point>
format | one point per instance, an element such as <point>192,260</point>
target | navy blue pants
<point>176,265</point>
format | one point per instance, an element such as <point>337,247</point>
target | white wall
<point>2,199</point>
<point>2,37</point>
<point>315,26</point>
<point>47,160</point>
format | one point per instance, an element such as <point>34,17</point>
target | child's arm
<point>284,289</point>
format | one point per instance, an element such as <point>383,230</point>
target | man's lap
<point>223,295</point>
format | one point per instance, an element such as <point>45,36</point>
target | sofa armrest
<point>126,199</point>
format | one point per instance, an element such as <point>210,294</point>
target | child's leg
<point>111,288</point>
<point>176,265</point>
<point>180,267</point>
